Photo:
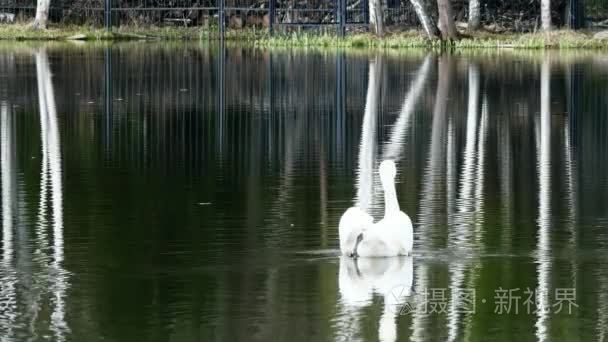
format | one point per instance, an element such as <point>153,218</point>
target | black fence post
<point>575,14</point>
<point>570,14</point>
<point>579,14</point>
<point>366,12</point>
<point>271,10</point>
<point>107,14</point>
<point>221,19</point>
<point>340,18</point>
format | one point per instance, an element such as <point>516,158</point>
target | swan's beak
<point>354,254</point>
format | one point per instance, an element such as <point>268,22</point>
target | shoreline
<point>559,39</point>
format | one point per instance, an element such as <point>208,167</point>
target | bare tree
<point>474,14</point>
<point>426,18</point>
<point>376,17</point>
<point>446,20</point>
<point>42,14</point>
<point>545,15</point>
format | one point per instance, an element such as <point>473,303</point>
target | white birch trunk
<point>474,14</point>
<point>42,14</point>
<point>376,17</point>
<point>425,18</point>
<point>545,15</point>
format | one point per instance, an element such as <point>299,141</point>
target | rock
<point>178,21</point>
<point>205,21</point>
<point>133,36</point>
<point>490,28</point>
<point>601,35</point>
<point>254,20</point>
<point>266,21</point>
<point>77,37</point>
<point>7,18</point>
<point>462,25</point>
<point>235,22</point>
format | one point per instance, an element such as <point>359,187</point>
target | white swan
<point>394,234</point>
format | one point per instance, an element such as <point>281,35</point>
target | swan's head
<point>388,170</point>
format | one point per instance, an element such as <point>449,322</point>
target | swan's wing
<point>352,223</point>
<point>390,236</point>
<point>407,233</point>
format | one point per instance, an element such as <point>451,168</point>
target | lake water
<point>185,192</point>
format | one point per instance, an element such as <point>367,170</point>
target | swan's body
<point>394,234</point>
<point>391,236</point>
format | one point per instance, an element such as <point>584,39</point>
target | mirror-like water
<point>185,192</point>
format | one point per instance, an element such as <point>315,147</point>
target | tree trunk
<point>474,15</point>
<point>42,14</point>
<point>446,20</point>
<point>545,15</point>
<point>426,18</point>
<point>376,17</point>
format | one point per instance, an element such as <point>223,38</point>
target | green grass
<point>24,32</point>
<point>560,39</point>
<point>359,40</point>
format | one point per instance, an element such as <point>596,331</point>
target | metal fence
<point>517,15</point>
<point>217,13</point>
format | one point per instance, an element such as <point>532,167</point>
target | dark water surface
<point>161,192</point>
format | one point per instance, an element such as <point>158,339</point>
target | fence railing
<point>270,14</point>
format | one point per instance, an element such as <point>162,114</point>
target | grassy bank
<point>94,33</point>
<point>562,39</point>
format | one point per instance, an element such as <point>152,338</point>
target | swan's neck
<point>391,205</point>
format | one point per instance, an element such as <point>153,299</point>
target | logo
<point>396,300</point>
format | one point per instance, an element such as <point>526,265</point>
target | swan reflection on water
<point>360,279</point>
